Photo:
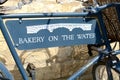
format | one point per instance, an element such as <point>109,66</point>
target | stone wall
<point>46,6</point>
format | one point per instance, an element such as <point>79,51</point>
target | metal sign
<point>43,33</point>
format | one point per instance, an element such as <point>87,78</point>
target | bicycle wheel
<point>99,72</point>
<point>4,73</point>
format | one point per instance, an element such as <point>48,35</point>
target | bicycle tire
<point>102,75</point>
<point>4,73</point>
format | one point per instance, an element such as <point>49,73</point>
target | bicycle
<point>42,30</point>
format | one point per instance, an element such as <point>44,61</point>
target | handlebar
<point>107,6</point>
<point>93,10</point>
<point>96,9</point>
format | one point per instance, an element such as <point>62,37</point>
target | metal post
<point>12,50</point>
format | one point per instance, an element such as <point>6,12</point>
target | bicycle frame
<point>53,15</point>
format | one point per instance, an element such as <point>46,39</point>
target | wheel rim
<point>101,73</point>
